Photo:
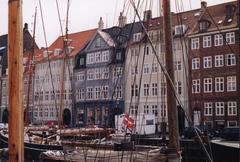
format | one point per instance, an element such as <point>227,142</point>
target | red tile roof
<point>77,41</point>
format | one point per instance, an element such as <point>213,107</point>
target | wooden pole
<point>15,79</point>
<point>173,146</point>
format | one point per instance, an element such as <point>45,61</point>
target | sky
<point>83,14</point>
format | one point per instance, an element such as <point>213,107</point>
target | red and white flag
<point>128,121</point>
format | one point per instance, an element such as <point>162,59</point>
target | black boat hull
<point>31,150</point>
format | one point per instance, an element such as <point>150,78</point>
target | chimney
<point>203,5</point>
<point>100,24</point>
<point>122,20</point>
<point>25,28</point>
<point>147,15</point>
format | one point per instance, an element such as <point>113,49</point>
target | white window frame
<point>196,86</point>
<point>207,41</point>
<point>207,85</point>
<point>195,63</point>
<point>195,43</point>
<point>90,74</point>
<point>208,109</point>
<point>89,93</point>
<point>97,73</point>
<point>231,83</point>
<point>105,56</point>
<point>207,62</point>
<point>154,89</point>
<point>98,57</point>
<point>230,38</point>
<point>145,69</point>
<point>105,73</point>
<point>232,108</point>
<point>230,59</point>
<point>154,67</point>
<point>105,92</point>
<point>218,40</point>
<point>219,109</point>
<point>219,84</point>
<point>145,90</point>
<point>97,92</point>
<point>219,61</point>
<point>90,58</point>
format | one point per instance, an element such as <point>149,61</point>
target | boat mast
<point>173,146</point>
<point>65,45</point>
<point>15,80</point>
<point>30,69</point>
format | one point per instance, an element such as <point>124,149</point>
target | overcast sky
<point>83,14</point>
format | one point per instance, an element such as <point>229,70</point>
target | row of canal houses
<point>103,72</point>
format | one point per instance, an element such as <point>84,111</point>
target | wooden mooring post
<point>15,81</point>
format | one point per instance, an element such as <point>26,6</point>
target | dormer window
<point>180,30</point>
<point>68,41</point>
<point>204,25</point>
<point>57,51</point>
<point>230,10</point>
<point>69,49</point>
<point>137,37</point>
<point>46,53</point>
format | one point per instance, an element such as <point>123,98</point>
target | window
<point>46,95</point>
<point>146,89</point>
<point>196,86</point>
<point>81,61</point>
<point>154,68</point>
<point>90,58</point>
<point>105,56</point>
<point>97,73</point>
<point>179,87</point>
<point>134,90</point>
<point>134,70</point>
<point>195,63</point>
<point>207,85</point>
<point>98,57</point>
<point>97,92</point>
<point>218,40</point>
<point>89,93</point>
<point>145,69</point>
<point>219,61</point>
<point>119,56</point>
<point>231,83</point>
<point>105,73</point>
<point>136,37</point>
<point>117,72</point>
<point>146,109</point>
<point>163,110</point>
<point>178,65</point>
<point>230,59</point>
<point>206,41</point>
<point>232,123</point>
<point>195,43</point>
<point>105,92</point>
<point>219,84</point>
<point>147,50</point>
<point>134,51</point>
<point>163,88</point>
<point>134,110</point>
<point>230,38</point>
<point>118,92</point>
<point>207,62</point>
<point>154,89</point>
<point>232,108</point>
<point>219,108</point>
<point>90,74</point>
<point>208,109</point>
<point>155,110</point>
<point>81,94</point>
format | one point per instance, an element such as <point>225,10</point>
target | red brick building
<point>214,66</point>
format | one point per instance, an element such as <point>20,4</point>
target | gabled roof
<point>76,40</point>
<point>107,38</point>
<point>217,16</point>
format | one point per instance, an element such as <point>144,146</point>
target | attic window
<point>230,9</point>
<point>180,29</point>
<point>46,53</point>
<point>69,49</point>
<point>57,51</point>
<point>137,37</point>
<point>204,25</point>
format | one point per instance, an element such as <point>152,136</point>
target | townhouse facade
<point>214,69</point>
<point>51,80</point>
<point>99,74</point>
<point>28,46</point>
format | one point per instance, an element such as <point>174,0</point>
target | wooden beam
<point>15,81</point>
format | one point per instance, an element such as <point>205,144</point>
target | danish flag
<point>128,121</point>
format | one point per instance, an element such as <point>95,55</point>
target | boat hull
<point>31,150</point>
